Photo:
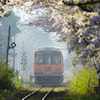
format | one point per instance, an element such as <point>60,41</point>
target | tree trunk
<point>4,2</point>
<point>99,87</point>
<point>98,72</point>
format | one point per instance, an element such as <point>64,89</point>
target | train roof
<point>50,48</point>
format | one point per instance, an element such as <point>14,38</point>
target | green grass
<point>59,89</point>
<point>45,90</point>
<point>82,97</point>
<point>55,90</point>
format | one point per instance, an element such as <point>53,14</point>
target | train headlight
<point>38,68</point>
<point>57,68</point>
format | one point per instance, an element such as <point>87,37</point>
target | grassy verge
<point>82,97</point>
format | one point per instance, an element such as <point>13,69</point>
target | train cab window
<point>48,57</point>
<point>48,60</point>
<point>38,59</point>
<point>57,58</point>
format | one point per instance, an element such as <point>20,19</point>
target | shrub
<point>6,77</point>
<point>79,84</point>
<point>8,84</point>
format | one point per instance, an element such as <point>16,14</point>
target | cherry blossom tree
<point>78,23</point>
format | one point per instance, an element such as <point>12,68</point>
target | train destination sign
<point>48,68</point>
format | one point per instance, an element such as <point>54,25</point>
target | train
<point>48,66</point>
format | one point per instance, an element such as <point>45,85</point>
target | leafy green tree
<point>9,84</point>
<point>78,23</point>
<point>6,77</point>
<point>80,84</point>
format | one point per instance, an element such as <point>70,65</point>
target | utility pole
<point>14,56</point>
<point>23,62</point>
<point>8,45</point>
<point>13,44</point>
<point>23,59</point>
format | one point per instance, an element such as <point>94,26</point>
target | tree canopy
<point>77,22</point>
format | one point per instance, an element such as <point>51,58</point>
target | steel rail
<point>30,94</point>
<point>47,94</point>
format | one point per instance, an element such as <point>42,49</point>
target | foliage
<point>6,80</point>
<point>79,84</point>
<point>6,77</point>
<point>79,28</point>
<point>82,97</point>
<point>8,85</point>
<point>59,89</point>
<point>18,84</point>
<point>77,22</point>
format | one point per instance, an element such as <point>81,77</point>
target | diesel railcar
<point>48,66</point>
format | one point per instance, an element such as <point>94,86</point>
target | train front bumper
<point>48,79</point>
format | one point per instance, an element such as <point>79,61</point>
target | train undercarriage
<point>47,80</point>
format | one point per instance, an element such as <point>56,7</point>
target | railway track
<point>33,93</point>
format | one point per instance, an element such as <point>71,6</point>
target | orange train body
<point>48,66</point>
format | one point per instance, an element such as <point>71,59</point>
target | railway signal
<point>13,44</point>
<point>8,47</point>
<point>23,60</point>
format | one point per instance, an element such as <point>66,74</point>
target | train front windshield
<point>48,57</point>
